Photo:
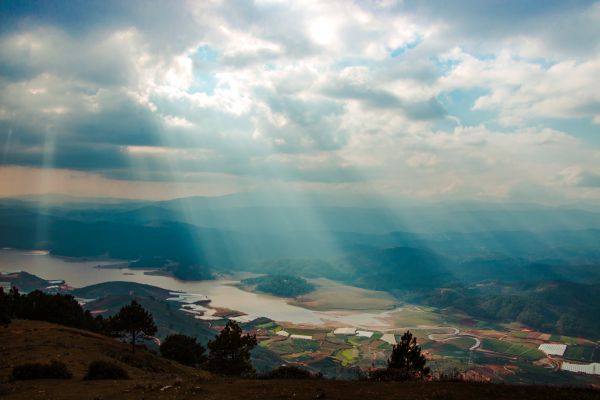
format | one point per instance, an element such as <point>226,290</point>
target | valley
<point>339,330</point>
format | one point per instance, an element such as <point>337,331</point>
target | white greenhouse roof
<point>345,331</point>
<point>592,369</point>
<point>553,349</point>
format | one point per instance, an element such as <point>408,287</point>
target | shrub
<point>54,370</point>
<point>105,370</point>
<point>289,372</point>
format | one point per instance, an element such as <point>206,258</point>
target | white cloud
<point>346,93</point>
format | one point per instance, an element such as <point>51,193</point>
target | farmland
<point>486,352</point>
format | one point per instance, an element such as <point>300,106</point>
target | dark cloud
<point>309,124</point>
<point>377,98</point>
<point>563,25</point>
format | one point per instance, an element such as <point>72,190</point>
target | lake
<point>221,292</point>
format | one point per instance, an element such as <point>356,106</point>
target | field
<point>579,353</point>
<point>462,343</point>
<point>347,356</point>
<point>330,295</point>
<point>417,316</point>
<point>512,349</point>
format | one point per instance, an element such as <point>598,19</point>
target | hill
<point>152,377</point>
<point>37,341</point>
<point>279,285</point>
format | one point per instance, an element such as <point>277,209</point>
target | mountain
<point>399,268</point>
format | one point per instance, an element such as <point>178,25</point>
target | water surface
<point>84,273</point>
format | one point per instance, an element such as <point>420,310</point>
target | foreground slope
<point>155,378</point>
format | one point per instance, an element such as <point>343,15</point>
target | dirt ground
<point>219,388</point>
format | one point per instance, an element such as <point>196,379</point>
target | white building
<point>366,334</point>
<point>282,333</point>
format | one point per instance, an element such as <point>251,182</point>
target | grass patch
<point>347,356</point>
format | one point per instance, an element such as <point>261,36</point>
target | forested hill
<point>279,285</point>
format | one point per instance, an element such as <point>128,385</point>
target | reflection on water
<point>222,294</point>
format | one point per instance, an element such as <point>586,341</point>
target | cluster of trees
<point>55,308</point>
<point>229,351</point>
<point>281,285</point>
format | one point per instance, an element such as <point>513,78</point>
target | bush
<point>54,370</point>
<point>289,372</point>
<point>105,370</point>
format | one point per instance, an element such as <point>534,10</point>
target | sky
<point>460,100</point>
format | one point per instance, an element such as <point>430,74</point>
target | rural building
<point>282,333</point>
<point>366,334</point>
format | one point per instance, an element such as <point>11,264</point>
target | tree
<point>134,322</point>
<point>5,308</point>
<point>183,349</point>
<point>230,351</point>
<point>406,361</point>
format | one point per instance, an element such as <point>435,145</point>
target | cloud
<point>362,95</point>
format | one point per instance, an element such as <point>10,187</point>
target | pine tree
<point>133,321</point>
<point>406,361</point>
<point>230,351</point>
